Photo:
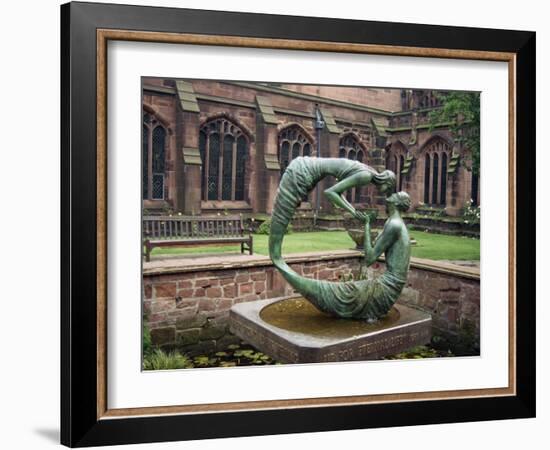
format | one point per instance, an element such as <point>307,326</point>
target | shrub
<point>471,213</point>
<point>266,225</point>
<point>159,360</point>
<point>147,346</point>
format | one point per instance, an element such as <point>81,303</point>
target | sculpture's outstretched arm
<point>334,193</point>
<point>384,241</point>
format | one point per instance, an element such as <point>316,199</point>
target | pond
<point>243,354</point>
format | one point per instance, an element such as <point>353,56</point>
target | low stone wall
<point>187,306</point>
<point>442,225</point>
<point>451,294</point>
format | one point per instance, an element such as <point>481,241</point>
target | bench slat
<point>175,242</point>
<point>192,227</point>
<point>159,231</point>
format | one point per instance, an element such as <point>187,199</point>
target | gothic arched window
<point>145,163</point>
<point>443,194</point>
<point>427,171</point>
<point>224,150</point>
<point>153,159</point>
<point>435,192</point>
<point>435,179</point>
<point>429,99</point>
<point>360,156</point>
<point>395,161</point>
<point>401,164</point>
<point>293,142</point>
<point>350,148</point>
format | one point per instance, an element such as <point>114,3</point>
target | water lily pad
<point>245,353</point>
<point>228,364</point>
<point>201,360</point>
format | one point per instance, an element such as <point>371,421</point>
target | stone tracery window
<point>350,148</point>
<point>429,99</point>
<point>153,159</point>
<point>443,193</point>
<point>395,161</point>
<point>437,155</point>
<point>293,142</point>
<point>224,150</point>
<point>427,172</point>
<point>435,179</point>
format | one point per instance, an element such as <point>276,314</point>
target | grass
<point>159,360</point>
<point>429,245</point>
<point>441,246</point>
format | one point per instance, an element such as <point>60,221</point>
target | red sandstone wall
<point>386,99</point>
<point>453,301</point>
<point>191,310</point>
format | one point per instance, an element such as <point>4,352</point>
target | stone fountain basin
<point>358,236</point>
<point>292,330</point>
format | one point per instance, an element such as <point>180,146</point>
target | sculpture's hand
<point>363,217</point>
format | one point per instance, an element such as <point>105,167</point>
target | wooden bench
<point>180,231</point>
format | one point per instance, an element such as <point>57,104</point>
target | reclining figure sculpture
<point>361,299</point>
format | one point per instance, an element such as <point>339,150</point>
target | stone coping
<point>211,263</point>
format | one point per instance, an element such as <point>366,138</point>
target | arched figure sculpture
<point>361,299</point>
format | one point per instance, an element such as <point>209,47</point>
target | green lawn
<point>440,246</point>
<point>429,245</point>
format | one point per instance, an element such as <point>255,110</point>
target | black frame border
<point>79,423</point>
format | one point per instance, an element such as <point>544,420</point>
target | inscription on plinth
<point>291,330</point>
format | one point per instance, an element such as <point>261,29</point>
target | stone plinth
<point>292,330</point>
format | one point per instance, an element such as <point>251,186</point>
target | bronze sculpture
<point>360,299</point>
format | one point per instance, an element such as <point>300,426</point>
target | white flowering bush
<point>471,213</point>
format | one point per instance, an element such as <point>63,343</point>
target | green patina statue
<point>361,299</point>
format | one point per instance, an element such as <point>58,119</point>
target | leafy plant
<point>251,356</point>
<point>461,111</point>
<point>147,345</point>
<point>228,363</point>
<point>264,228</point>
<point>420,352</point>
<point>471,213</point>
<point>204,361</point>
<point>159,360</point>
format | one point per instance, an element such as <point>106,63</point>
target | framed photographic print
<point>273,224</point>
